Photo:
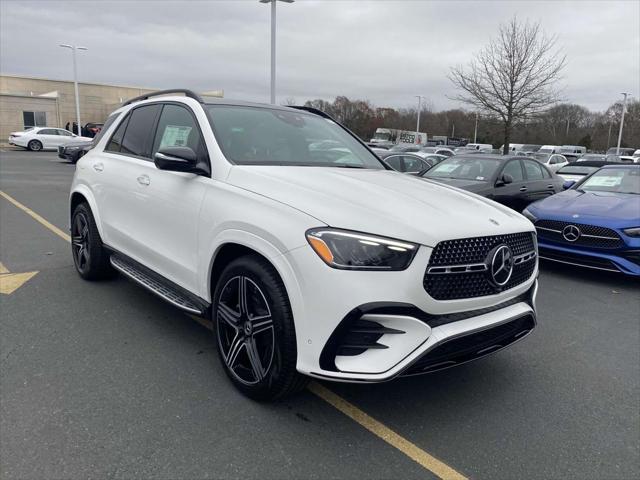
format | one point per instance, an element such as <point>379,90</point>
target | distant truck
<point>391,135</point>
<point>449,141</point>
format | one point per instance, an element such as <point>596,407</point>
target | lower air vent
<point>361,336</point>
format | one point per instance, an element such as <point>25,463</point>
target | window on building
<point>34,119</point>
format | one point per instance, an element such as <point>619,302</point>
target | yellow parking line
<point>411,450</point>
<point>37,217</point>
<point>397,441</point>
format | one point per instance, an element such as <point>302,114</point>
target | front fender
<point>86,192</point>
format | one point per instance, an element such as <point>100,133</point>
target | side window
<point>116,139</point>
<point>395,161</point>
<point>177,127</point>
<point>413,164</point>
<point>514,169</point>
<point>63,133</point>
<point>104,128</point>
<point>533,169</point>
<point>48,131</point>
<point>139,131</point>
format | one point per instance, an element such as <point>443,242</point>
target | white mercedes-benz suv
<point>310,256</point>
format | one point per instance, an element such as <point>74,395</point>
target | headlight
<point>359,251</point>
<point>632,232</point>
<point>529,215</point>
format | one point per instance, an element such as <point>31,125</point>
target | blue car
<point>595,223</point>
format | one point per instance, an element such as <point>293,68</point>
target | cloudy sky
<point>385,51</point>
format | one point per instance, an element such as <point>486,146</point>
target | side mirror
<point>568,184</point>
<point>505,179</point>
<point>176,159</point>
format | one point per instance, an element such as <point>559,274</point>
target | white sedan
<point>44,138</point>
<point>553,162</point>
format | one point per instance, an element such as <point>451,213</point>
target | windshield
<point>530,148</point>
<point>265,136</point>
<point>465,168</point>
<point>619,180</point>
<point>577,170</point>
<point>545,150</point>
<point>382,136</point>
<point>623,151</point>
<point>592,156</point>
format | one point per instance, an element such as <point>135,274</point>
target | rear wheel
<point>35,145</point>
<point>89,255</point>
<point>255,331</point>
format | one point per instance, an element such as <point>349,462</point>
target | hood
<point>80,144</point>
<point>614,209</point>
<point>468,185</point>
<point>381,202</point>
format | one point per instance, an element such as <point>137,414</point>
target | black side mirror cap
<point>568,184</point>
<point>178,159</point>
<point>505,179</point>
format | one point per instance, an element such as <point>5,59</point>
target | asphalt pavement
<point>104,380</point>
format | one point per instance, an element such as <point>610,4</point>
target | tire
<point>90,257</point>
<point>34,145</point>
<point>254,330</point>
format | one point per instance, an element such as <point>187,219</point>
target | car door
<point>166,204</point>
<point>64,136</point>
<point>539,183</point>
<point>49,138</point>
<point>510,194</point>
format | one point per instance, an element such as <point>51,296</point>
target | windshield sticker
<point>605,181</point>
<point>175,136</point>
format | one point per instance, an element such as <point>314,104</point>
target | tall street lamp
<point>624,107</point>
<point>75,82</point>
<point>273,45</point>
<point>475,130</point>
<point>420,97</point>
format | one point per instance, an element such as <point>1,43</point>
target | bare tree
<point>514,76</point>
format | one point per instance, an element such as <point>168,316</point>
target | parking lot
<point>105,380</point>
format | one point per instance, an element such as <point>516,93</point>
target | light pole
<point>624,107</point>
<point>420,97</point>
<point>75,82</point>
<point>273,45</point>
<point>475,130</point>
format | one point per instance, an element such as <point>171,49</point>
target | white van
<point>573,149</point>
<point>549,149</point>
<point>513,147</point>
<point>477,146</point>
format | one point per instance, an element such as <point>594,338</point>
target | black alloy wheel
<point>90,257</point>
<point>255,331</point>
<point>80,242</point>
<point>245,330</point>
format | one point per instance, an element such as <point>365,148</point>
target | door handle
<point>549,186</point>
<point>523,189</point>
<point>98,167</point>
<point>144,180</point>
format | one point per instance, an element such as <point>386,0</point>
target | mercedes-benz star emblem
<point>501,265</point>
<point>571,233</point>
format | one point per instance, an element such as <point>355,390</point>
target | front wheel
<point>255,331</point>
<point>89,255</point>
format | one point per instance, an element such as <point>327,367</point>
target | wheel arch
<point>236,243</point>
<point>82,194</point>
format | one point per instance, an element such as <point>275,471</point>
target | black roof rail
<point>187,93</point>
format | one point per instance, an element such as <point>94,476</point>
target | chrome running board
<point>164,291</point>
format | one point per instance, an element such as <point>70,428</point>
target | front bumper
<point>619,260</point>
<point>395,302</point>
